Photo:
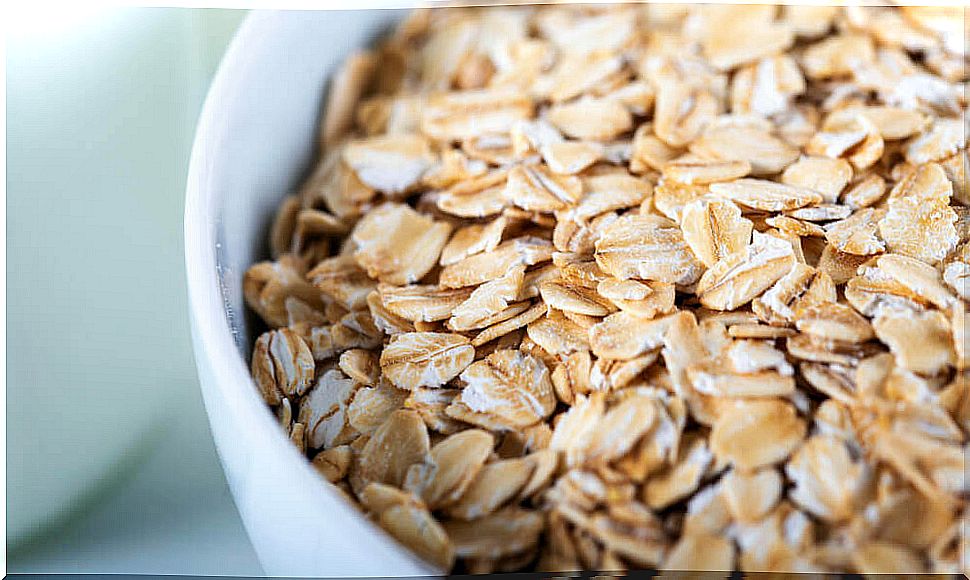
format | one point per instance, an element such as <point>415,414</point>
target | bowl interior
<point>247,201</point>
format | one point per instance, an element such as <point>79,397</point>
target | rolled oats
<point>450,468</point>
<point>282,365</point>
<point>425,359</point>
<point>647,247</point>
<point>738,278</point>
<point>766,195</point>
<point>507,389</point>
<point>701,551</point>
<point>495,485</point>
<point>608,287</point>
<point>503,533</point>
<point>756,433</point>
<point>714,229</point>
<point>390,164</point>
<point>751,496</point>
<point>397,245</point>
<point>371,406</point>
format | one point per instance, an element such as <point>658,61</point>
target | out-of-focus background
<point>110,464</point>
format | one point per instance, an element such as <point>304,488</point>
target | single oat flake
<point>593,287</point>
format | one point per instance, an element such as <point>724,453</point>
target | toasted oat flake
<point>680,479</point>
<point>604,193</point>
<point>694,172</point>
<point>425,359</point>
<point>921,341</point>
<point>765,153</point>
<point>766,195</point>
<point>417,529</point>
<point>864,193</point>
<point>766,87</point>
<point>397,245</point>
<point>738,278</point>
<point>591,119</point>
<point>494,485</point>
<point>857,234</point>
<point>943,139</point>
<point>574,298</point>
<point>486,266</point>
<point>473,239</point>
<point>821,174</point>
<point>486,303</point>
<point>714,229</point>
<point>536,188</point>
<point>700,551</point>
<point>396,445</point>
<point>371,406</point>
<point>473,113</point>
<point>922,279</point>
<point>919,228</point>
<point>751,496</point>
<point>646,247</point>
<point>752,434</point>
<point>833,322</point>
<point>827,480</point>
<point>510,531</point>
<point>507,387</point>
<point>620,428</point>
<point>282,365</point>
<point>451,467</point>
<point>624,335</point>
<point>391,164</point>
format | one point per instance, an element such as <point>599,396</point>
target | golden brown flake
<point>506,532</point>
<point>714,229</point>
<point>371,406</point>
<point>826,478</point>
<point>399,443</point>
<point>766,195</point>
<point>765,153</point>
<point>267,285</point>
<point>647,247</point>
<point>831,321</point>
<point>507,388</point>
<point>536,188</point>
<point>700,551</point>
<point>739,278</point>
<point>473,113</point>
<point>751,495</point>
<point>397,245</point>
<point>921,341</point>
<point>450,469</point>
<point>591,119</point>
<point>324,411</point>
<point>391,164</point>
<point>920,228</point>
<point>425,359</point>
<point>282,365</point>
<point>857,234</point>
<point>822,174</point>
<point>752,434</point>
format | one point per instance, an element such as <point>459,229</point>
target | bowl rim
<point>208,315</point>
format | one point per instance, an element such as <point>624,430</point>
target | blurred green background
<point>110,467</point>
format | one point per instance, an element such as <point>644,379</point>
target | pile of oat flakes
<point>638,286</point>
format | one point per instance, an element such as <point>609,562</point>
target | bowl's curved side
<point>253,142</point>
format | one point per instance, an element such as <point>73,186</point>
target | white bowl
<point>254,143</point>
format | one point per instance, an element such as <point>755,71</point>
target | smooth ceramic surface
<point>254,144</point>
